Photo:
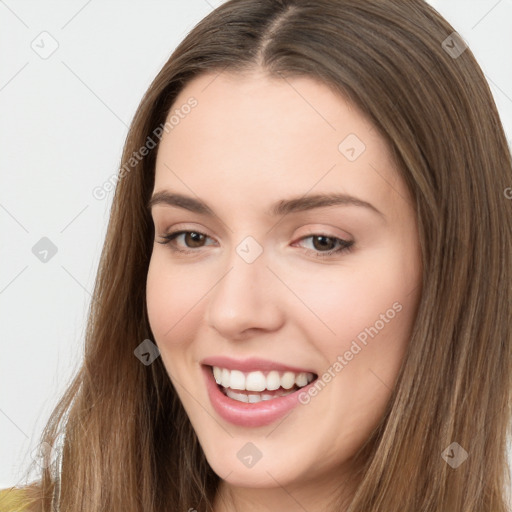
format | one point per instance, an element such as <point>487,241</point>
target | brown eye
<point>191,239</point>
<point>325,246</point>
<point>324,243</point>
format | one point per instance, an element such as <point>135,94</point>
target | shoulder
<point>18,499</point>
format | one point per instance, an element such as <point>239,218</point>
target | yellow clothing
<point>14,499</point>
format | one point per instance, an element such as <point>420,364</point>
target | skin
<point>251,141</point>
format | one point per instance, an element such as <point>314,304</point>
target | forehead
<point>252,134</point>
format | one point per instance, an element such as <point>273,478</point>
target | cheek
<point>371,305</point>
<point>172,303</point>
<point>371,313</point>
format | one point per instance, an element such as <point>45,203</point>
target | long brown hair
<point>126,443</point>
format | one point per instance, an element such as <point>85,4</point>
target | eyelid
<point>326,230</point>
<point>183,226</point>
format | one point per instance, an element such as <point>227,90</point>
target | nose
<point>246,298</point>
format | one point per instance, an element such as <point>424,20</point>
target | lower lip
<point>246,414</point>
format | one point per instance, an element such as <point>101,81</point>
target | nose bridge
<point>247,269</point>
<point>244,298</point>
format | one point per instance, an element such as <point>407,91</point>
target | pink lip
<point>249,414</point>
<point>251,364</point>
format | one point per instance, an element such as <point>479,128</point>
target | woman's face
<point>277,277</point>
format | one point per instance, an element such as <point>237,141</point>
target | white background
<point>63,122</point>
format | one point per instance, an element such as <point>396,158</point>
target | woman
<point>303,301</point>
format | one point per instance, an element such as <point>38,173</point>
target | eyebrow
<point>280,208</point>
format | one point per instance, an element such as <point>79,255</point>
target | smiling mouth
<point>258,386</point>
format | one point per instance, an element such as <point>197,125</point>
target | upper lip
<point>252,364</point>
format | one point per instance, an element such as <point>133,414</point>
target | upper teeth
<point>258,381</point>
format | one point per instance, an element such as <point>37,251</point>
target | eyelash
<point>345,245</point>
